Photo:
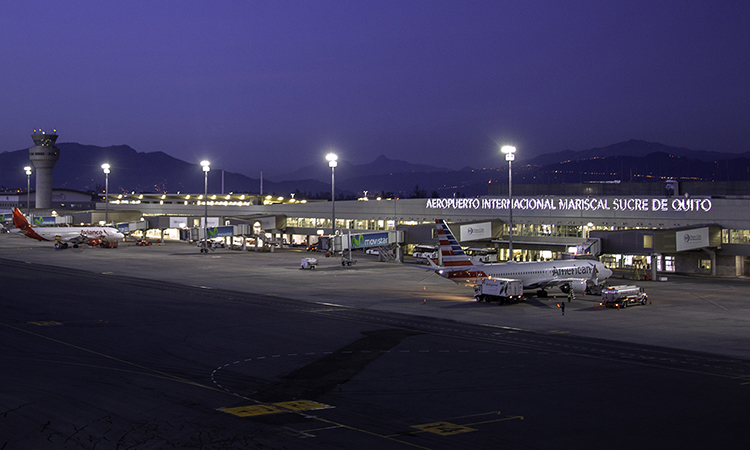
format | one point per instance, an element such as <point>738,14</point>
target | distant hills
<point>629,161</point>
<point>633,147</point>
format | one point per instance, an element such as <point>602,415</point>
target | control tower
<point>44,155</point>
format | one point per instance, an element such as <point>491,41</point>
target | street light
<point>28,190</point>
<point>510,155</point>
<point>105,168</point>
<point>332,163</point>
<point>206,168</point>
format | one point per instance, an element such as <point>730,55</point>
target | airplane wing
<point>75,239</point>
<point>557,282</point>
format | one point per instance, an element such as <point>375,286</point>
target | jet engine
<point>578,286</point>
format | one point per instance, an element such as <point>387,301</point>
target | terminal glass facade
<point>346,224</point>
<point>735,236</point>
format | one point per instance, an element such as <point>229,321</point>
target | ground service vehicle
<point>501,290</point>
<point>623,295</point>
<point>483,255</point>
<point>309,263</point>
<point>425,252</point>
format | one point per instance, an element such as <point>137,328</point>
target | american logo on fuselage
<point>568,271</point>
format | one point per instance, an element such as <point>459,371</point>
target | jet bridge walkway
<point>387,243</point>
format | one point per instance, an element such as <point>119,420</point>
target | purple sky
<point>273,85</point>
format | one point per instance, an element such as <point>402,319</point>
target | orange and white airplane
<point>577,275</point>
<point>62,236</point>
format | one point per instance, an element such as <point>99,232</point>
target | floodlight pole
<point>332,163</point>
<point>27,169</point>
<point>105,168</point>
<point>510,151</point>
<point>206,168</point>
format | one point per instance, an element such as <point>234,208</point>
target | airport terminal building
<point>689,228</point>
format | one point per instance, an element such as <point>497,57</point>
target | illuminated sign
<point>212,222</point>
<point>217,232</point>
<point>575,204</point>
<point>369,240</point>
<point>267,223</point>
<point>47,220</point>
<point>178,222</point>
<point>692,239</point>
<point>476,231</point>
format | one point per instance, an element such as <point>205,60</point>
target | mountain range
<point>629,161</point>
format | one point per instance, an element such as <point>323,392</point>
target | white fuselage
<point>533,274</point>
<point>73,233</point>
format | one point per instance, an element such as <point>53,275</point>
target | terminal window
<point>735,236</point>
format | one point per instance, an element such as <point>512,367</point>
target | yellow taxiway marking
<point>302,405</point>
<point>275,408</point>
<point>46,323</point>
<point>252,410</point>
<point>444,428</point>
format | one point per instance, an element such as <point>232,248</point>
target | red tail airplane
<point>62,236</point>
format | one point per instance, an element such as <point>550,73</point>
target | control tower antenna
<point>44,155</point>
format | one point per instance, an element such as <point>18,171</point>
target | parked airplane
<point>571,274</point>
<point>62,236</point>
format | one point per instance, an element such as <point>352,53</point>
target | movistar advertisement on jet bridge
<point>369,240</point>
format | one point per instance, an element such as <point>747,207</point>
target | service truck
<point>622,296</point>
<point>425,252</point>
<point>501,290</point>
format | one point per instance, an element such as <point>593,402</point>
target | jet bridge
<point>129,227</point>
<point>388,244</point>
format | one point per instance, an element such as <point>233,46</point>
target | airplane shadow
<point>534,301</point>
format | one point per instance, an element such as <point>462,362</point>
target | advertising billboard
<point>692,239</point>
<point>476,231</point>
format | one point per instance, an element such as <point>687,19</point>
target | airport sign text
<point>575,204</point>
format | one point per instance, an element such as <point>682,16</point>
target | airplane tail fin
<point>453,255</point>
<point>19,221</point>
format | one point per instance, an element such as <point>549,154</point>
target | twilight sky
<point>273,85</point>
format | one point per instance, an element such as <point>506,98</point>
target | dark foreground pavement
<point>95,360</point>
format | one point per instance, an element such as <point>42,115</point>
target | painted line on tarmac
<point>148,370</point>
<point>709,301</point>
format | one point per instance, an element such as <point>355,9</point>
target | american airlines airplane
<point>571,274</point>
<point>62,236</point>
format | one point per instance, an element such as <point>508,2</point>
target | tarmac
<point>708,315</point>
